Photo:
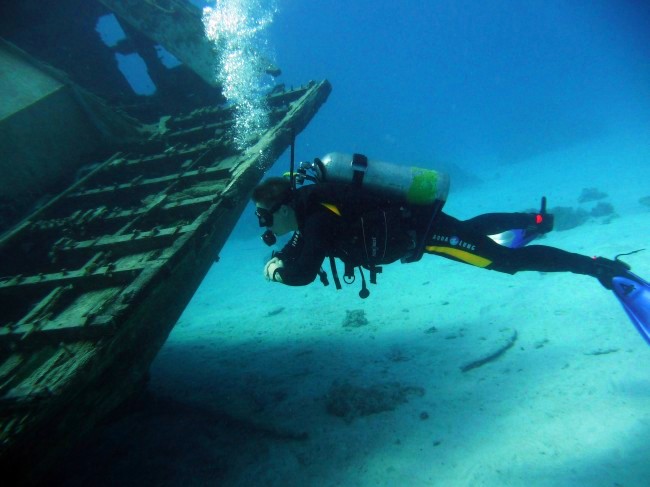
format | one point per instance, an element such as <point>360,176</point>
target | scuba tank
<point>413,185</point>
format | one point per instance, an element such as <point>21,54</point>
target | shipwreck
<point>113,207</point>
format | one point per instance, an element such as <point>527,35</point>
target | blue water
<point>476,82</point>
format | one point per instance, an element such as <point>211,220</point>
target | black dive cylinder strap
<point>359,166</point>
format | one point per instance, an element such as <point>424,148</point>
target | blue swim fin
<point>634,295</point>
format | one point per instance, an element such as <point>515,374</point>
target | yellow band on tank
<point>424,188</point>
<point>461,255</point>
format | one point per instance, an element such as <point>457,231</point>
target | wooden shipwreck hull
<point>92,283</point>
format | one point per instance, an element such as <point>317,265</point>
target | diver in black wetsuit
<point>320,231</point>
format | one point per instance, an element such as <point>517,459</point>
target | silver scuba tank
<point>415,185</point>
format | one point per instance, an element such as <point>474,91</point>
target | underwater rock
<point>354,318</point>
<point>591,194</point>
<point>567,218</point>
<point>602,209</point>
<point>348,401</point>
<point>645,201</point>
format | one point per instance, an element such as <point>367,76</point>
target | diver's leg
<point>459,240</point>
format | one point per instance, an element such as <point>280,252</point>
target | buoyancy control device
<point>422,192</point>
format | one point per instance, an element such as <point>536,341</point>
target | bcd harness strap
<point>348,274</point>
<point>349,277</point>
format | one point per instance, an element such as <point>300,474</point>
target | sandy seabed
<point>261,384</point>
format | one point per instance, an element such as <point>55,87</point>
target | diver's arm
<point>300,260</point>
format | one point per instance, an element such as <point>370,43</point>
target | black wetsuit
<point>321,231</point>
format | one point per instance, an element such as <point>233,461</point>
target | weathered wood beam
<point>18,230</point>
<point>145,185</point>
<point>190,206</point>
<point>103,276</point>
<point>130,243</point>
<point>46,332</point>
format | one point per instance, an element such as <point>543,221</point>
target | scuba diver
<point>370,213</point>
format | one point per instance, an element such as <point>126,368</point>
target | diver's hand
<point>270,268</point>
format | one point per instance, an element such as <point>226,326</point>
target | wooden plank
<point>43,333</point>
<point>179,156</point>
<point>111,218</point>
<point>148,185</point>
<point>285,97</point>
<point>17,232</point>
<point>49,374</point>
<point>200,116</point>
<point>201,132</point>
<point>42,309</point>
<point>217,114</point>
<point>130,243</point>
<point>160,159</point>
<point>104,276</point>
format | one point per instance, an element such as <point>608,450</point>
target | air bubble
<point>235,28</point>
